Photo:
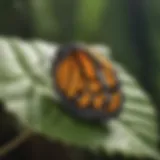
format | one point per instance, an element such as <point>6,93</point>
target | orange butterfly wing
<point>87,84</point>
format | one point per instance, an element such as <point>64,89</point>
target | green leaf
<point>25,84</point>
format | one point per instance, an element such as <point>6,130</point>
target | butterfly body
<point>87,83</point>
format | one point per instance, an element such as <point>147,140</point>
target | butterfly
<point>87,83</point>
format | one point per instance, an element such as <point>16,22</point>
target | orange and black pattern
<point>87,83</point>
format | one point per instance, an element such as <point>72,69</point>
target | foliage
<point>25,85</point>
